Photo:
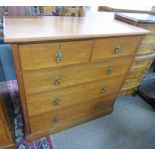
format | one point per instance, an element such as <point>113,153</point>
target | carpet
<point>21,143</point>
<point>130,126</point>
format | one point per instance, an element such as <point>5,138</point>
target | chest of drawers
<point>69,77</point>
<point>146,51</point>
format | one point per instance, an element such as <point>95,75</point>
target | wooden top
<point>137,17</point>
<point>27,29</point>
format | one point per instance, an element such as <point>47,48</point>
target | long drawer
<point>114,47</point>
<point>36,56</point>
<point>54,78</point>
<point>51,100</point>
<point>58,118</point>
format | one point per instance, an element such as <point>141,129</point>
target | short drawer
<point>115,47</point>
<point>43,55</point>
<point>47,101</point>
<point>61,117</point>
<point>55,78</point>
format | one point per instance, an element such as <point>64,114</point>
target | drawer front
<point>129,83</point>
<point>128,91</point>
<point>150,27</point>
<point>4,139</point>
<point>69,114</point>
<point>149,39</point>
<point>146,49</point>
<point>47,101</point>
<point>36,56</point>
<point>141,64</point>
<point>136,74</point>
<point>54,78</point>
<point>115,47</point>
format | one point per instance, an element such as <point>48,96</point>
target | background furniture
<point>74,73</point>
<point>6,114</point>
<point>110,9</point>
<point>146,52</point>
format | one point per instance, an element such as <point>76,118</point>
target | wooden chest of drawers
<point>145,53</point>
<point>71,78</point>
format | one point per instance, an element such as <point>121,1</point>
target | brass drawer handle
<point>55,119</point>
<point>98,106</point>
<point>58,80</point>
<point>59,56</point>
<point>103,90</point>
<point>56,102</point>
<point>109,70</point>
<point>117,49</point>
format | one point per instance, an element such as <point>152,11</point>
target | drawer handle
<point>109,70</point>
<point>55,119</point>
<point>117,49</point>
<point>56,102</point>
<point>98,106</point>
<point>59,56</point>
<point>103,90</point>
<point>58,80</point>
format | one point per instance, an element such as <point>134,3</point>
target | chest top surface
<point>27,29</point>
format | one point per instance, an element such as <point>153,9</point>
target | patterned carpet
<point>21,143</point>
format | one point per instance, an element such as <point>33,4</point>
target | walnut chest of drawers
<point>146,51</point>
<point>69,69</point>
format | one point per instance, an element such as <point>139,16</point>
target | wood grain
<point>59,28</point>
